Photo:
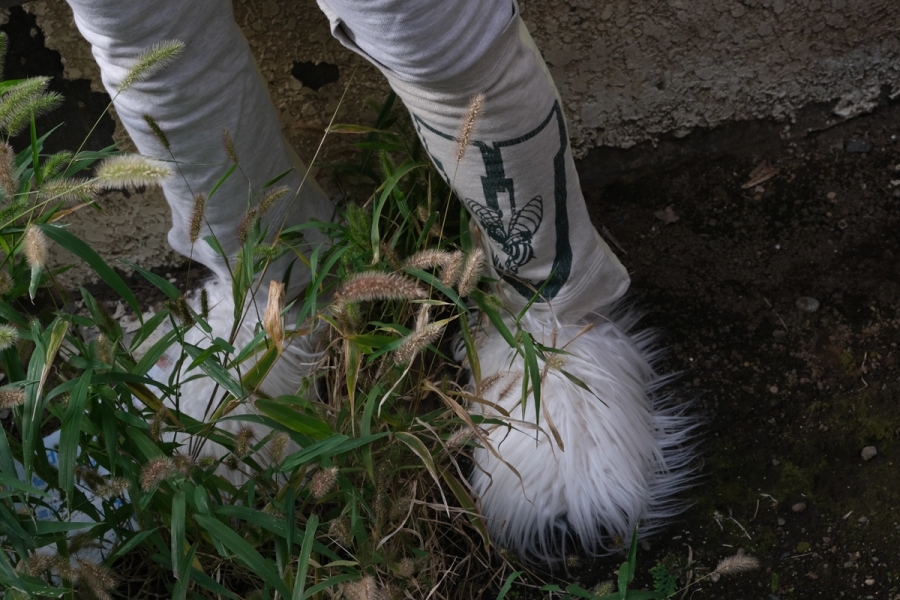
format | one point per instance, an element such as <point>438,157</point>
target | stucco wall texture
<point>628,72</point>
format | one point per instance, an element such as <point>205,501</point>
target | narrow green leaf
<point>177,534</point>
<point>181,586</point>
<point>70,433</point>
<point>309,537</point>
<point>294,420</point>
<point>508,584</point>
<point>244,552</point>
<point>84,252</point>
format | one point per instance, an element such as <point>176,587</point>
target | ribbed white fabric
<point>517,175</point>
<point>213,86</point>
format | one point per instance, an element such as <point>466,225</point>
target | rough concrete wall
<point>629,71</point>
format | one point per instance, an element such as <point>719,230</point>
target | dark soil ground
<point>791,395</point>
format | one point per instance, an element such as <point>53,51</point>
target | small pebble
<point>831,195</point>
<point>779,334</point>
<point>863,519</point>
<point>870,581</point>
<point>807,304</point>
<point>842,224</point>
<point>848,564</point>
<point>868,453</point>
<point>774,389</point>
<point>775,462</point>
<point>859,146</point>
<point>799,507</point>
<point>781,522</point>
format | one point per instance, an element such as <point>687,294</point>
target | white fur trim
<point>626,450</point>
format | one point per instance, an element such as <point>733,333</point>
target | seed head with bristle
<point>97,578</point>
<point>229,145</point>
<point>416,341</point>
<point>428,259</point>
<point>272,197</point>
<point>243,441</point>
<point>471,271</point>
<point>105,349</point>
<point>157,131</point>
<point>8,182</point>
<point>197,217</point>
<point>34,243</point>
<point>131,170</point>
<point>272,321</point>
<point>67,189</point>
<point>366,589</point>
<point>156,425</point>
<point>323,482</point>
<point>377,285</point>
<point>113,488</point>
<point>156,471</point>
<point>278,445</point>
<point>11,396</point>
<point>8,336</point>
<point>452,271</point>
<point>339,530</point>
<point>468,126</point>
<point>151,61</point>
<point>739,563</point>
<point>6,283</point>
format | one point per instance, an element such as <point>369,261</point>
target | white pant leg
<point>517,176</point>
<point>213,86</point>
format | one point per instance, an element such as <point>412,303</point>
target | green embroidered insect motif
<point>516,240</point>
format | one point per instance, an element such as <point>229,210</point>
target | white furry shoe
<point>622,451</point>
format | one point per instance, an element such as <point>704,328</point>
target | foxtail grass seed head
<point>6,283</point>
<point>339,530</point>
<point>8,182</point>
<point>243,442</point>
<point>113,488</point>
<point>228,143</point>
<point>739,563</point>
<point>4,43</point>
<point>180,309</point>
<point>157,131</point>
<point>35,246</point>
<point>278,445</point>
<point>56,163</point>
<point>156,471</point>
<point>452,271</point>
<point>406,567</point>
<point>105,349</point>
<point>184,463</point>
<point>156,426</point>
<point>39,104</point>
<point>246,224</point>
<point>197,217</point>
<point>376,285</point>
<point>8,336</point>
<point>131,170</point>
<point>366,589</point>
<point>459,438</point>
<point>272,322</point>
<point>428,259</point>
<point>151,61</point>
<point>38,563</point>
<point>471,272</point>
<point>69,189</point>
<point>204,304</point>
<point>417,341</point>
<point>97,578</point>
<point>11,396</point>
<point>323,482</point>
<point>272,197</point>
<point>468,126</point>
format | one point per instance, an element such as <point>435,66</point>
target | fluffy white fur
<point>625,450</point>
<point>200,396</point>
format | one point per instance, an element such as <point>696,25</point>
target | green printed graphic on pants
<point>511,206</point>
